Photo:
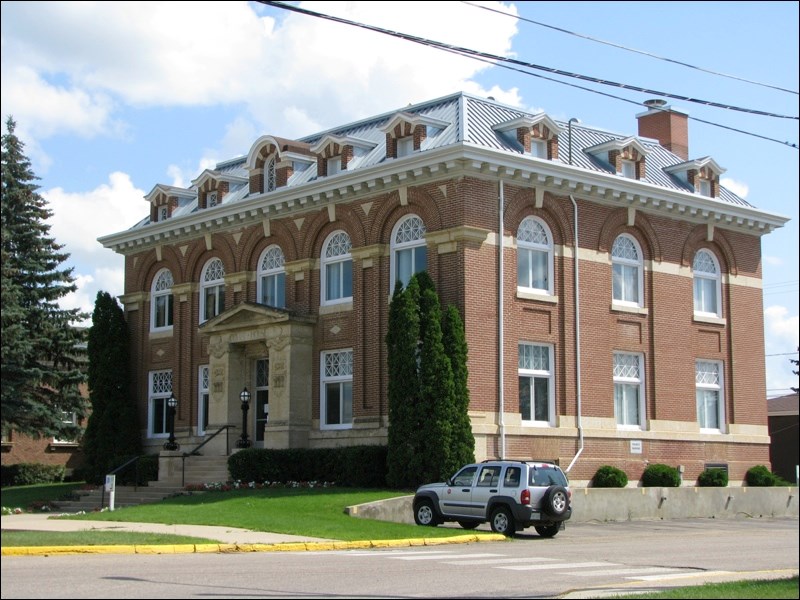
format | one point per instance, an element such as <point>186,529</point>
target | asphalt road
<point>586,560</point>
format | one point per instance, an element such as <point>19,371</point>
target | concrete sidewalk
<point>231,539</point>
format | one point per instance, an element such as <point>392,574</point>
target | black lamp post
<point>172,403</point>
<point>245,398</point>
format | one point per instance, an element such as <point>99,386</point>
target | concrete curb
<point>231,548</point>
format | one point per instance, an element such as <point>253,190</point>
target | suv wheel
<point>469,524</point>
<point>502,521</point>
<point>424,514</point>
<point>555,501</point>
<point>547,531</point>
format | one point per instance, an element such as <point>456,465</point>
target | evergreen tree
<point>403,388</point>
<point>112,433</point>
<point>41,346</point>
<point>795,362</point>
<point>455,345</point>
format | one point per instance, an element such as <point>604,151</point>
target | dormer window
<point>538,149</point>
<point>628,169</point>
<point>163,213</point>
<point>270,182</point>
<point>334,165</point>
<point>537,135</point>
<point>704,187</point>
<point>701,175</point>
<point>405,146</point>
<point>211,199</point>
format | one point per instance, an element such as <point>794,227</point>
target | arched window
<point>272,278</point>
<point>337,269</point>
<point>626,263</point>
<point>270,181</point>
<point>212,290</point>
<point>706,273</point>
<point>409,251</point>
<point>534,256</point>
<point>161,301</point>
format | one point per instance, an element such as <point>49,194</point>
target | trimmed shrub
<point>609,477</point>
<point>713,477</point>
<point>761,476</point>
<point>660,475</point>
<point>32,473</point>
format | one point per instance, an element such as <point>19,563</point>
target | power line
<point>494,57</point>
<point>621,47</point>
<point>493,61</point>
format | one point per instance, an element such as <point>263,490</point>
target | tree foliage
<point>430,435</point>
<point>112,433</point>
<point>795,362</point>
<point>42,347</point>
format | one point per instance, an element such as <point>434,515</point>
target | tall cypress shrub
<point>455,345</point>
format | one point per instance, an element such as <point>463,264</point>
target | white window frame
<point>163,213</point>
<point>212,283</point>
<point>530,244</point>
<point>625,263</point>
<point>405,146</point>
<point>161,301</point>
<point>72,419</point>
<point>628,169</point>
<point>336,258</point>
<point>531,366</point>
<point>628,373</point>
<point>704,187</point>
<point>270,176</point>
<point>336,369</point>
<point>408,239</point>
<point>539,148</point>
<point>272,276</point>
<point>333,166</point>
<point>702,278</point>
<point>203,397</point>
<point>709,380</point>
<point>159,386</point>
<point>212,199</point>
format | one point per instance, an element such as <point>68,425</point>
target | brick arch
<point>255,243</point>
<point>553,212</point>
<point>420,203</point>
<point>617,222</point>
<point>198,257</point>
<point>148,266</point>
<point>319,226</point>
<point>721,248</point>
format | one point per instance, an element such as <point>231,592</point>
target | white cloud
<point>737,187</point>
<point>782,327</point>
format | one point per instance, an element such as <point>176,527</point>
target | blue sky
<point>112,98</point>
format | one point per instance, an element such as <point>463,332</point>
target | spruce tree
<point>42,348</point>
<point>455,345</point>
<point>112,433</point>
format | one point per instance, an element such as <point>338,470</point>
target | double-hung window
<point>337,269</point>
<point>272,278</point>
<point>706,274</point>
<point>336,410</point>
<point>160,389</point>
<point>536,385</point>
<point>628,390</point>
<point>534,257</point>
<point>627,266</point>
<point>709,394</point>
<point>212,290</point>
<point>161,301</point>
<point>203,395</point>
<point>409,251</point>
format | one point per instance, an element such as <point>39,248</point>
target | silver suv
<point>511,495</point>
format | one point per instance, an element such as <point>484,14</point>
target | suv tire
<point>424,513</point>
<point>469,524</point>
<point>502,521</point>
<point>547,531</point>
<point>555,501</point>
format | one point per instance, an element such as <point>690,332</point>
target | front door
<point>262,399</point>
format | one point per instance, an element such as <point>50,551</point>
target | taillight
<point>525,497</point>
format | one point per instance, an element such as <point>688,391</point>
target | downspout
<point>577,338</point>
<point>500,362</point>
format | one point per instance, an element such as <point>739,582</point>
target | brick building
<point>606,331</point>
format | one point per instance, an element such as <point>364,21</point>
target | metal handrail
<point>135,459</point>
<point>195,452</point>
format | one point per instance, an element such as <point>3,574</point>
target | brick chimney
<point>667,125</point>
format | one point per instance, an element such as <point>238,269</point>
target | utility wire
<point>599,41</point>
<point>502,59</point>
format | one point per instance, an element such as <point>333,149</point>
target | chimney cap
<point>655,102</point>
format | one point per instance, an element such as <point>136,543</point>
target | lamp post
<point>243,442</point>
<point>569,135</point>
<point>172,403</point>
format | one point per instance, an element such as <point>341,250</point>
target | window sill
<point>339,307</point>
<point>698,318</point>
<point>524,294</point>
<point>628,308</point>
<point>160,333</point>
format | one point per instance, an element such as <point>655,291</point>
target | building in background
<point>784,448</point>
<point>610,288</point>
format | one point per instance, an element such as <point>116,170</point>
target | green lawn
<point>96,538</point>
<point>24,496</point>
<point>773,588</point>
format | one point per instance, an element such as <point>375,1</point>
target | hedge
<point>609,477</point>
<point>31,473</point>
<point>660,475</point>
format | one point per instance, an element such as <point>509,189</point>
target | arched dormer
<point>626,157</point>
<point>405,133</point>
<point>272,161</point>
<point>335,152</point>
<point>702,174</point>
<point>213,186</point>
<point>537,134</point>
<point>165,199</point>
